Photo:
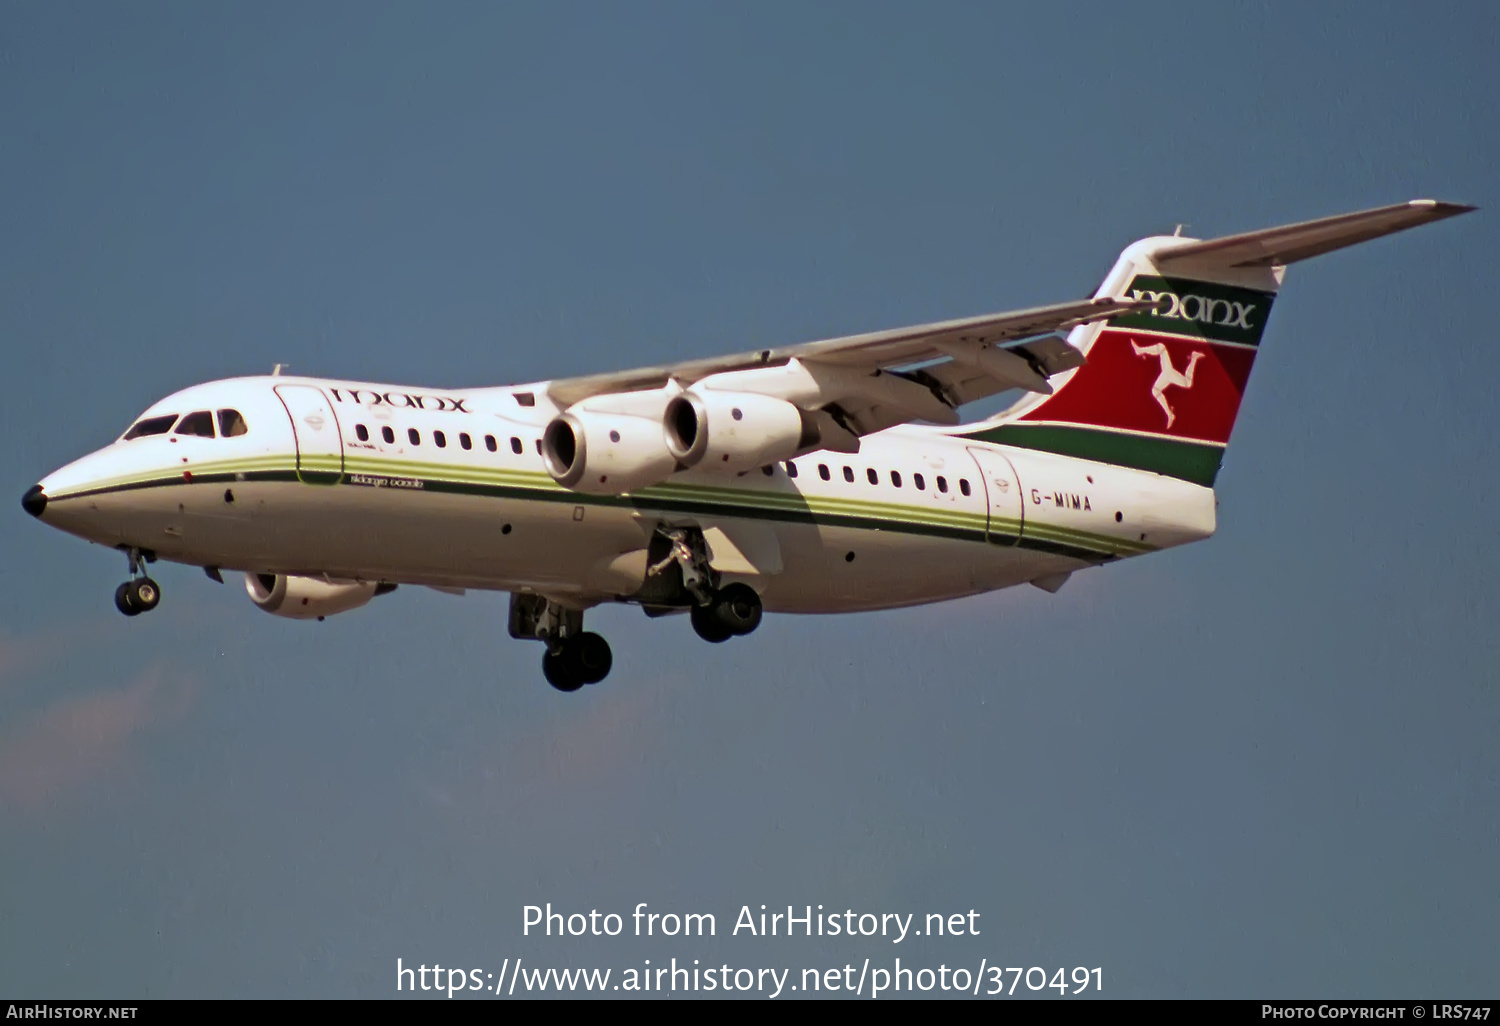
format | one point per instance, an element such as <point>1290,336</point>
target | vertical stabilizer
<point>1162,388</point>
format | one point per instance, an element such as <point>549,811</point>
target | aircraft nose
<point>34,501</point>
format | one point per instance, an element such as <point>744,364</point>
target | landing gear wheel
<point>590,656</point>
<point>737,607</point>
<point>557,668</point>
<point>122,600</point>
<point>143,593</point>
<point>708,626</point>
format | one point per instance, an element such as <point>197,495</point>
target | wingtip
<point>1442,208</point>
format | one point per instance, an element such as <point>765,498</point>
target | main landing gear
<point>733,611</point>
<point>140,594</point>
<point>678,575</point>
<point>574,656</point>
<point>718,613</point>
<point>578,660</point>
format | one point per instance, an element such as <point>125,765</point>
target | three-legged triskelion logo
<point>1169,375</point>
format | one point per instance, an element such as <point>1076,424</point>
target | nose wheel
<point>140,594</point>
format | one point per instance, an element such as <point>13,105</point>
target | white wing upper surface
<point>964,359</point>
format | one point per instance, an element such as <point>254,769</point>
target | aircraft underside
<point>569,550</point>
<point>720,554</point>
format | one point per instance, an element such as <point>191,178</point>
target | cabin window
<point>768,470</point>
<point>515,445</point>
<point>873,477</point>
<point>414,436</point>
<point>538,446</point>
<point>791,469</point>
<point>942,483</point>
<point>151,426</point>
<point>361,432</point>
<point>388,435</point>
<point>849,474</point>
<point>489,443</point>
<point>963,485</point>
<point>439,439</point>
<point>823,471</point>
<point>896,478</point>
<point>464,441</point>
<point>231,424</point>
<point>916,479</point>
<point>199,423</point>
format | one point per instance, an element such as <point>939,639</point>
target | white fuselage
<point>348,481</point>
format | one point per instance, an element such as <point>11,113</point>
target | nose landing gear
<point>140,594</point>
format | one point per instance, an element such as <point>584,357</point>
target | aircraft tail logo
<point>1162,387</point>
<point>1169,375</point>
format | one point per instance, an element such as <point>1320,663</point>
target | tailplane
<point>1161,388</point>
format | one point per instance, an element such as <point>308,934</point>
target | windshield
<point>151,426</point>
<point>231,424</point>
<point>200,424</point>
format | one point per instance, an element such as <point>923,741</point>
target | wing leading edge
<point>973,364</point>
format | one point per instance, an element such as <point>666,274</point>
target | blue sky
<point>1262,765</point>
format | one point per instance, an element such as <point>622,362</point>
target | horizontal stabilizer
<point>1272,247</point>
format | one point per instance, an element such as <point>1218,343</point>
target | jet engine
<point>609,444</point>
<point>309,598</point>
<point>736,431</point>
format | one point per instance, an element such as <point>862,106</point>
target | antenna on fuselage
<point>276,370</point>
<point>1177,232</point>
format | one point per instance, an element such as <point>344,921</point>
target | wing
<point>964,360</point>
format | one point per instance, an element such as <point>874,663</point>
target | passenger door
<point>320,442</point>
<point>1004,490</point>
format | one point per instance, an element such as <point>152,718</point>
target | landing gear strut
<point>574,656</point>
<point>718,613</point>
<point>140,594</point>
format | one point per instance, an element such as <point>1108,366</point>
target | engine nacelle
<point>308,598</point>
<point>609,444</point>
<point>735,431</point>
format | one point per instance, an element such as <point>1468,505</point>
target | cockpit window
<point>200,423</point>
<point>231,424</point>
<point>151,426</point>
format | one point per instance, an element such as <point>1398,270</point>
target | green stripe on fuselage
<point>691,499</point>
<point>1197,462</point>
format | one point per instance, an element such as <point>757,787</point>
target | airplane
<point>827,477</point>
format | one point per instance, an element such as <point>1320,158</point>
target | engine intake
<point>736,431</point>
<point>609,444</point>
<point>308,598</point>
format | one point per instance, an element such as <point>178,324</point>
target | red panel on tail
<point>1140,381</point>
